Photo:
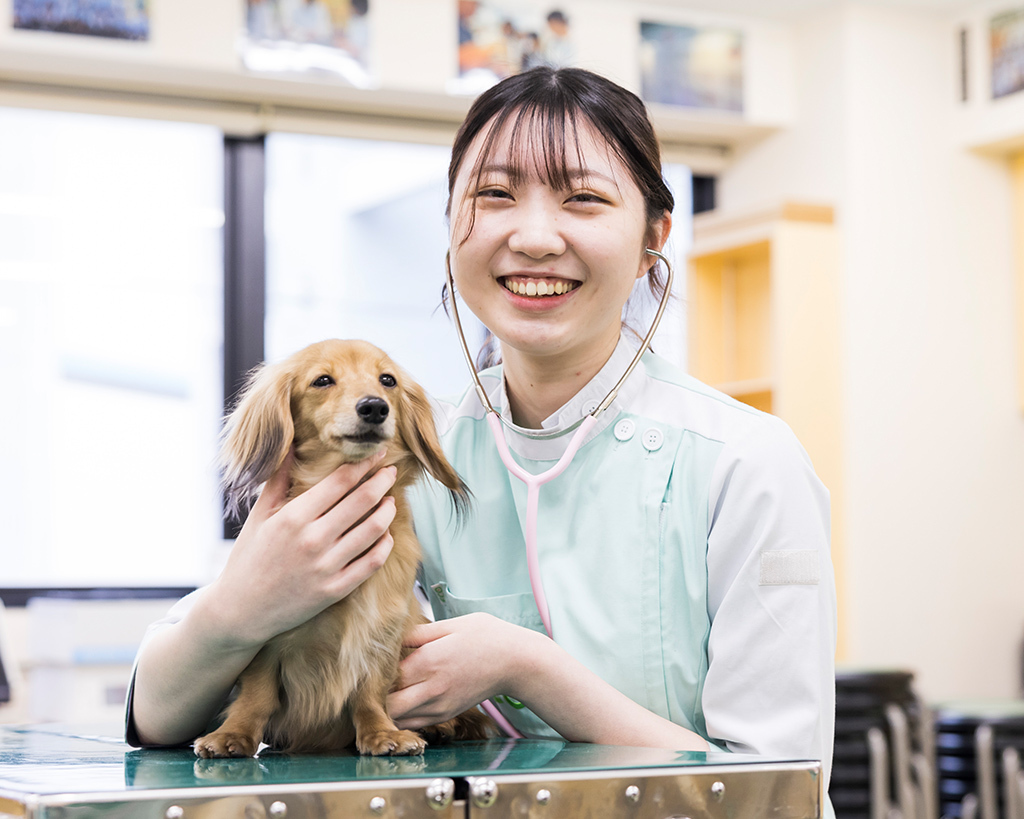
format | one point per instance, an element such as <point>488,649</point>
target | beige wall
<point>934,441</point>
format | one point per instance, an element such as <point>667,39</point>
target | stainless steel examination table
<point>57,771</point>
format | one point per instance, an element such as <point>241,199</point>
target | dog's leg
<point>248,715</point>
<point>376,734</point>
<point>471,724</point>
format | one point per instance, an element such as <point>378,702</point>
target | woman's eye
<point>388,380</point>
<point>493,193</point>
<point>586,198</point>
<point>323,381</point>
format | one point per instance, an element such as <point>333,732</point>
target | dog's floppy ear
<point>416,426</point>
<point>257,435</point>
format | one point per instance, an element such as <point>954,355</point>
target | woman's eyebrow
<point>586,173</point>
<point>571,173</point>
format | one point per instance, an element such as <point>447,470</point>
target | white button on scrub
<point>653,439</point>
<point>624,429</point>
<point>590,406</point>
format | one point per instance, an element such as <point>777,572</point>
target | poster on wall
<point>692,67</point>
<point>119,19</point>
<point>320,36</point>
<point>499,38</point>
<point>1007,36</point>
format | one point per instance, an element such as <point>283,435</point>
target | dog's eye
<point>388,380</point>
<point>323,381</point>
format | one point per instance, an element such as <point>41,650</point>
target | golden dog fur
<point>324,684</point>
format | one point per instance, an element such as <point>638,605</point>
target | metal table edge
<point>34,801</point>
<point>625,773</point>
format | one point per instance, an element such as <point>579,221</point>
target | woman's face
<point>548,270</point>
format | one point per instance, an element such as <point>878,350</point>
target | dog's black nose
<point>372,410</point>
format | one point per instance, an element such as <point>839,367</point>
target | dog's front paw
<point>222,744</point>
<point>394,743</point>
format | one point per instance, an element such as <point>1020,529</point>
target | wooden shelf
<point>730,334</point>
<point>763,295</point>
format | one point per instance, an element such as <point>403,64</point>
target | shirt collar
<point>579,406</point>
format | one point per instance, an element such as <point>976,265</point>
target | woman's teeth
<point>539,288</point>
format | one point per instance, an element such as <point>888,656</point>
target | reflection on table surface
<point>46,759</point>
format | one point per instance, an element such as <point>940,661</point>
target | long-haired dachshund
<point>324,684</point>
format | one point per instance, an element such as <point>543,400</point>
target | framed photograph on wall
<point>325,36</point>
<point>499,38</point>
<point>117,19</point>
<point>1006,33</point>
<point>691,67</point>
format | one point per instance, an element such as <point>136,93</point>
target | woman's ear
<point>657,236</point>
<point>257,435</point>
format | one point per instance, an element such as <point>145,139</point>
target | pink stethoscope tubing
<point>533,485</point>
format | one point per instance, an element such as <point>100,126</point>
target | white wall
<point>934,435</point>
<point>803,161</point>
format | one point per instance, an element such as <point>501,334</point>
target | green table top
<point>50,759</point>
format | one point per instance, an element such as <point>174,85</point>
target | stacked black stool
<point>883,748</point>
<point>978,750</point>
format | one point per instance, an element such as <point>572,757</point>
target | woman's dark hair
<point>548,105</point>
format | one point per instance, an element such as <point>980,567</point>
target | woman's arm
<point>465,660</point>
<point>291,560</point>
<point>770,684</point>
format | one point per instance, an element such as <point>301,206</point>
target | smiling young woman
<point>652,540</point>
<point>684,551</point>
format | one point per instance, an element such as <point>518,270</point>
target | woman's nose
<point>536,231</point>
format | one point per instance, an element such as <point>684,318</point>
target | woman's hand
<point>456,664</point>
<point>460,662</point>
<point>294,558</point>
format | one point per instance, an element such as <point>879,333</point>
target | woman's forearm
<point>184,674</point>
<point>464,660</point>
<point>584,708</point>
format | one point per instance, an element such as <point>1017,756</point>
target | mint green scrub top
<point>684,555</point>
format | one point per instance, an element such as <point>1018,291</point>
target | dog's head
<point>338,402</point>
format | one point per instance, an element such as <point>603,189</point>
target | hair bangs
<point>540,136</point>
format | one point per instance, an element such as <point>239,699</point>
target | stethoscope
<point>535,482</point>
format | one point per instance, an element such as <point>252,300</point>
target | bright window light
<point>110,350</point>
